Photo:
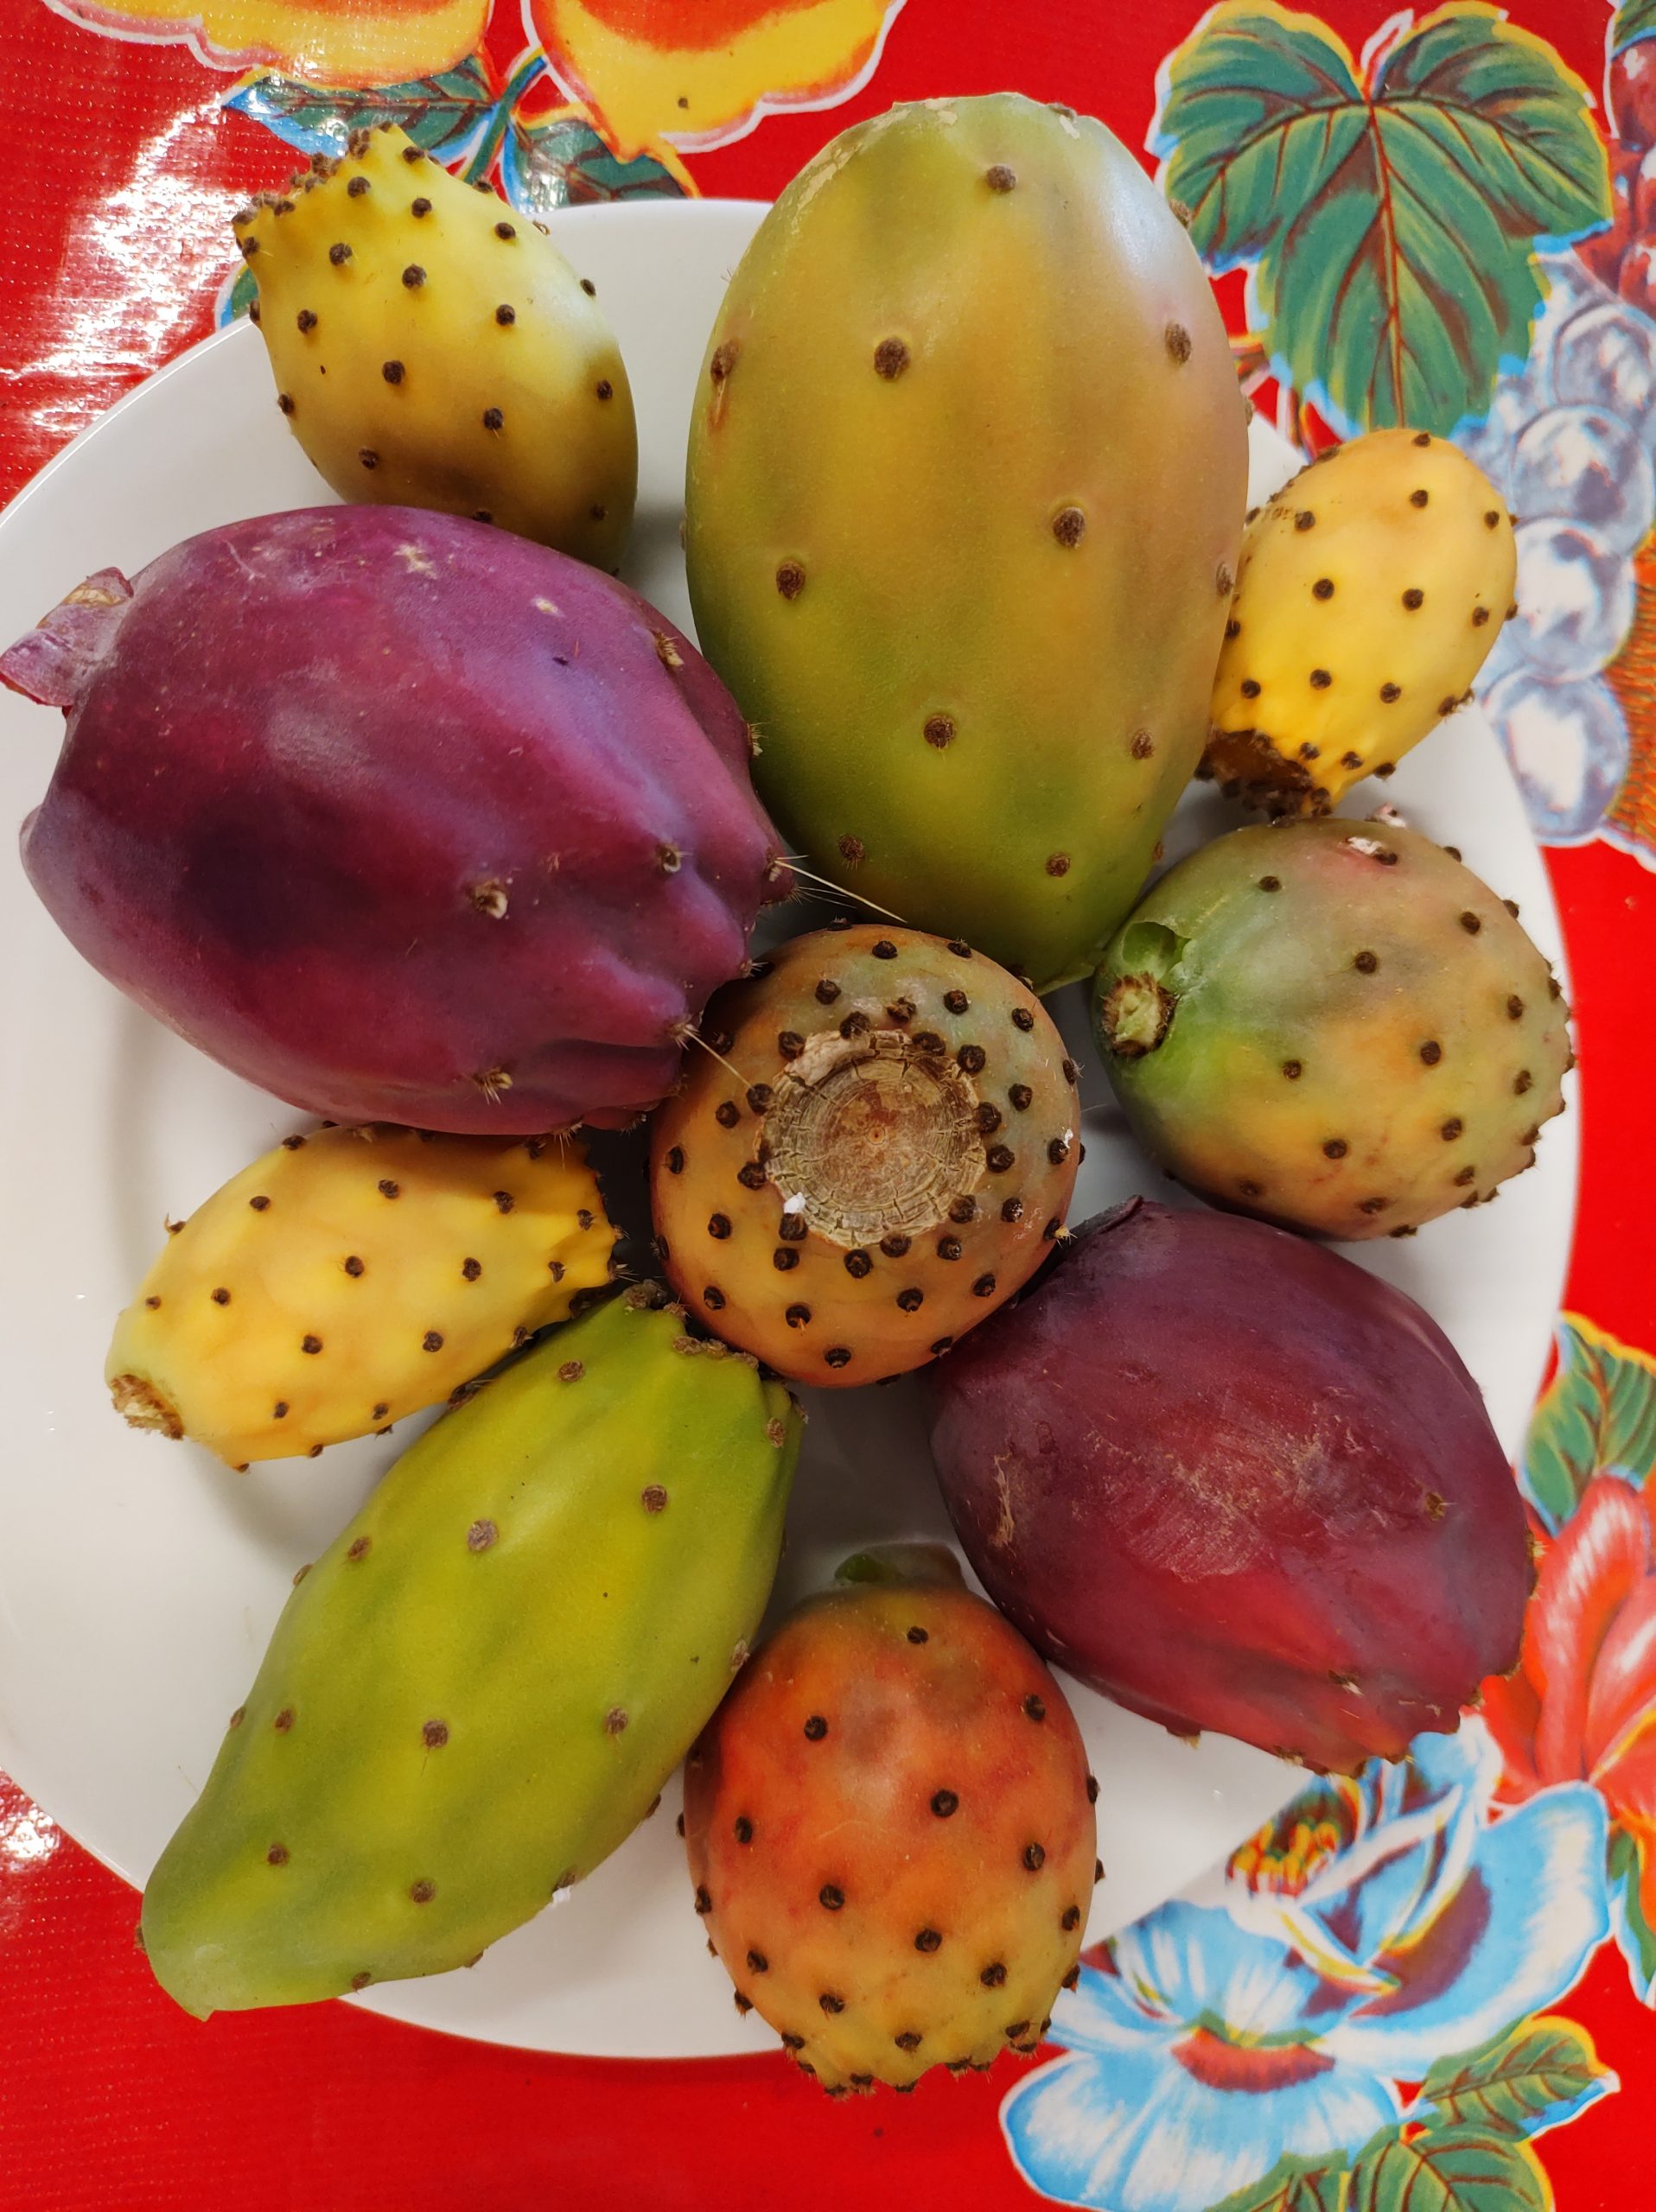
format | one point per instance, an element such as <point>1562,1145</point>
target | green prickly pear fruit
<point>474,1696</point>
<point>432,348</point>
<point>889,1825</point>
<point>1371,588</point>
<point>891,1159</point>
<point>967,471</point>
<point>1335,1025</point>
<point>351,1277</point>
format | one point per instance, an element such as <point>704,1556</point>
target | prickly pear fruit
<point>1371,588</point>
<point>892,1159</point>
<point>1236,1483</point>
<point>350,1277</point>
<point>1334,1025</point>
<point>433,348</point>
<point>402,819</point>
<point>472,1698</point>
<point>968,412</point>
<point>889,1826</point>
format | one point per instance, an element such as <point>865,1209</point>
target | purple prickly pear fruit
<point>882,1150</point>
<point>1234,1482</point>
<point>889,1826</point>
<point>402,817</point>
<point>1334,1025</point>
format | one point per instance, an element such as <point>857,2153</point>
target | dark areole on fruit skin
<point>1236,1483</point>
<point>398,816</point>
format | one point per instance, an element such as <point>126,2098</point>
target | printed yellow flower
<point>330,42</point>
<point>655,69</point>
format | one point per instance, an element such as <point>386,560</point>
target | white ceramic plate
<point>139,1581</point>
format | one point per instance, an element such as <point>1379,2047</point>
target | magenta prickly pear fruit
<point>1370,591</point>
<point>403,818</point>
<point>881,1150</point>
<point>1234,1482</point>
<point>891,1829</point>
<point>432,348</point>
<point>967,474</point>
<point>1334,1025</point>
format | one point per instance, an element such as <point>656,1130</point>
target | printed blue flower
<point>1379,1925</point>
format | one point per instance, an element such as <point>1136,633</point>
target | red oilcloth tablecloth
<point>1478,2032</point>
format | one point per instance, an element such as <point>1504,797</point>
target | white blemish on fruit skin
<point>547,607</point>
<point>1006,1527</point>
<point>415,561</point>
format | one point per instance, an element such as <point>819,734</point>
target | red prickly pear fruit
<point>889,1826</point>
<point>402,817</point>
<point>882,1152</point>
<point>1239,1484</point>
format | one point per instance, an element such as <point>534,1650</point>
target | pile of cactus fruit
<point>411,813</point>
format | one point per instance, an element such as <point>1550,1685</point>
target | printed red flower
<point>1582,1706</point>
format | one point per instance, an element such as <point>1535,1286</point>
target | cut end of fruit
<point>870,1136</point>
<point>1249,766</point>
<point>141,1406</point>
<point>1136,1016</point>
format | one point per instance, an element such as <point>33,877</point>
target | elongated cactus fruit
<point>432,348</point>
<point>967,475</point>
<point>1334,1025</point>
<point>1371,588</point>
<point>889,1826</point>
<point>1236,1482</point>
<point>890,1160</point>
<point>474,1695</point>
<point>433,826</point>
<point>350,1277</point>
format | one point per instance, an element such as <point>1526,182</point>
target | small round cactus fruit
<point>1335,1025</point>
<point>351,1277</point>
<point>1369,592</point>
<point>877,1152</point>
<point>431,347</point>
<point>889,1826</point>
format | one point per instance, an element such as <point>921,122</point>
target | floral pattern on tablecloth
<point>1369,2008</point>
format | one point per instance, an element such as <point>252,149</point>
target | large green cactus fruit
<point>473,1697</point>
<point>967,469</point>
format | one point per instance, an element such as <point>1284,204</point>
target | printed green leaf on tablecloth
<point>1390,213</point>
<point>1454,2169</point>
<point>439,113</point>
<point>1294,2185</point>
<point>1543,2073</point>
<point>1636,19</point>
<point>1628,1877</point>
<point>559,161</point>
<point>1599,1412</point>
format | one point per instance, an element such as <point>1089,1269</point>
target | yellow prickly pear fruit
<point>1369,591</point>
<point>351,1277</point>
<point>433,349</point>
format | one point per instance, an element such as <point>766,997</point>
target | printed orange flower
<point>329,41</point>
<point>699,72</point>
<point>1581,1706</point>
